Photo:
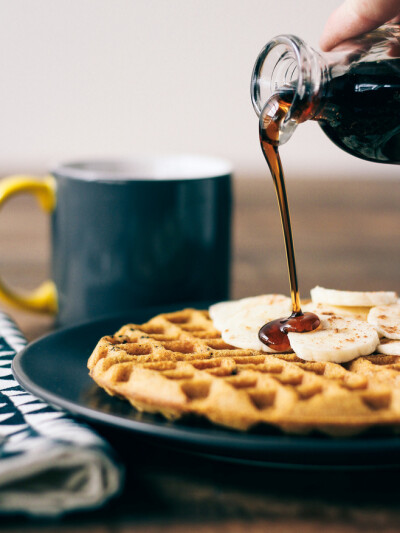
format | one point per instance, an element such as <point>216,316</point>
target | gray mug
<point>129,234</point>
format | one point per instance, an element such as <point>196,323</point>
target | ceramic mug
<point>128,234</point>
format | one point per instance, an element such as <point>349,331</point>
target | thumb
<point>355,17</point>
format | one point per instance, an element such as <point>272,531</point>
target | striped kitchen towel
<point>49,463</point>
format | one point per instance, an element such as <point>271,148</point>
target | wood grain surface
<point>347,236</point>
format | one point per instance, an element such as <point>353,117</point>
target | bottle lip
<point>298,47</point>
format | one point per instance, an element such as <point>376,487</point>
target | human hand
<point>355,17</point>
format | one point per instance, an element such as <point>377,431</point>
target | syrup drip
<point>274,334</point>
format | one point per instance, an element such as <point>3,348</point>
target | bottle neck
<point>287,66</point>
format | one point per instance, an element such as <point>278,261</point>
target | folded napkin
<point>49,463</point>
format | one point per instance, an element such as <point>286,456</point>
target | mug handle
<point>44,298</point>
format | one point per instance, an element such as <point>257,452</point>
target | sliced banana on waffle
<point>350,323</point>
<point>338,340</point>
<point>389,347</point>
<point>222,312</point>
<point>240,321</point>
<point>352,298</point>
<point>360,313</point>
<point>386,320</point>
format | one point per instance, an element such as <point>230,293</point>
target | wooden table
<point>347,236</point>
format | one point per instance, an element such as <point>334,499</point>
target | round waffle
<point>177,364</point>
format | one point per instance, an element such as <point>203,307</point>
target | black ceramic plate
<point>54,369</point>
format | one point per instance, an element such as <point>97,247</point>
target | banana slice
<point>240,321</point>
<point>222,311</point>
<point>352,298</point>
<point>386,320</point>
<point>360,313</point>
<point>338,340</point>
<point>389,347</point>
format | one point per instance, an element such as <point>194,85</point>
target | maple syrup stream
<point>274,334</point>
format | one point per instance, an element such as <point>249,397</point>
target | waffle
<point>177,364</point>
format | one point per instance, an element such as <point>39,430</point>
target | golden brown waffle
<point>177,364</point>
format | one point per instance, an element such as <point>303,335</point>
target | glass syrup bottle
<point>353,92</point>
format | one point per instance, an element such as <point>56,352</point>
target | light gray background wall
<point>123,77</point>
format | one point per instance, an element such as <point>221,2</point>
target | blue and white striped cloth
<point>49,463</point>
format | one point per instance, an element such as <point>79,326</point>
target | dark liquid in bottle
<point>274,334</point>
<point>361,110</point>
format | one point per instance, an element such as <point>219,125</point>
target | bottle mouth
<point>281,68</point>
